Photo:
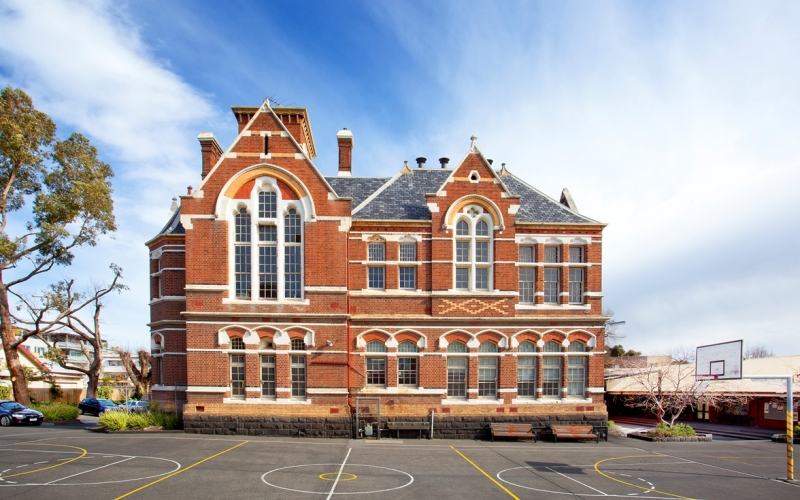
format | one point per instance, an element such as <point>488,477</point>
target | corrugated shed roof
<point>538,207</point>
<point>404,198</point>
<point>358,188</point>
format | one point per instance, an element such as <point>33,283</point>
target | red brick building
<point>279,293</point>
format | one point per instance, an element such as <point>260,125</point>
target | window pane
<point>267,233</point>
<point>291,270</point>
<point>487,346</point>
<point>268,272</point>
<point>298,345</point>
<point>242,270</point>
<point>487,377</point>
<point>237,376</point>
<point>482,229</point>
<point>526,283</point>
<point>576,254</point>
<point>237,343</point>
<point>526,254</point>
<point>268,376</point>
<point>291,230</point>
<point>552,346</point>
<point>576,285</point>
<point>376,371</point>
<point>576,376</point>
<point>577,346</point>
<point>376,346</point>
<point>376,252</point>
<point>551,279</point>
<point>481,278</point>
<point>462,278</point>
<point>551,254</point>
<point>408,252</point>
<point>407,371</point>
<point>527,346</point>
<point>526,377</point>
<point>462,229</point>
<point>462,251</point>
<point>457,346</point>
<point>375,277</point>
<point>408,278</point>
<point>407,346</point>
<point>267,204</point>
<point>482,251</point>
<point>551,377</point>
<point>242,227</point>
<point>298,366</point>
<point>456,378</point>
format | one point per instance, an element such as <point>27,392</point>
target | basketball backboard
<point>719,361</point>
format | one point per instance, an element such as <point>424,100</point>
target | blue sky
<point>675,122</point>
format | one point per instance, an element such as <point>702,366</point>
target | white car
<point>135,405</point>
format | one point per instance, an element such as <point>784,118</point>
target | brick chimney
<point>209,147</point>
<point>345,139</point>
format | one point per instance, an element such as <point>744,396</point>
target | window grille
<point>298,345</point>
<point>526,284</point>
<point>552,346</point>
<point>237,376</point>
<point>487,377</point>
<point>457,347</point>
<point>577,346</point>
<point>576,285</point>
<point>482,251</point>
<point>551,254</point>
<point>292,265</point>
<point>407,371</point>
<point>526,376</point>
<point>481,278</point>
<point>462,251</point>
<point>267,205</point>
<point>462,278</point>
<point>375,277</point>
<point>462,228</point>
<point>551,285</point>
<point>551,377</point>
<point>456,377</point>
<point>298,368</point>
<point>237,343</point>
<point>408,252</point>
<point>576,376</point>
<point>526,254</point>
<point>242,253</point>
<point>487,346</point>
<point>377,252</point>
<point>576,254</point>
<point>376,346</point>
<point>481,229</point>
<point>408,278</point>
<point>376,371</point>
<point>407,346</point>
<point>527,346</point>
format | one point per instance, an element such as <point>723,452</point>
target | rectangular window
<point>526,377</point>
<point>408,252</point>
<point>376,252</point>
<point>408,278</point>
<point>482,278</point>
<point>242,269</point>
<point>462,278</point>
<point>551,255</point>
<point>576,285</point>
<point>576,254</point>
<point>481,251</point>
<point>576,376</point>
<point>551,282</point>
<point>267,376</point>
<point>375,277</point>
<point>487,377</point>
<point>267,262</point>
<point>457,377</point>
<point>526,281</point>
<point>407,371</point>
<point>376,371</point>
<point>526,254</point>
<point>551,377</point>
<point>292,272</point>
<point>160,361</point>
<point>237,376</point>
<point>462,251</point>
<point>298,366</point>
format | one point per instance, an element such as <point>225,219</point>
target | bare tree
<point>140,375</point>
<point>682,354</point>
<point>757,351</point>
<point>613,335</point>
<point>58,311</point>
<point>668,391</point>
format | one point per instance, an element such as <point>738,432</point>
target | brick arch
<point>290,186</point>
<point>457,335</point>
<point>556,335</point>
<point>527,335</point>
<point>157,341</point>
<point>371,335</point>
<point>488,206</point>
<point>411,335</point>
<point>225,334</point>
<point>580,336</point>
<point>496,337</point>
<point>266,331</point>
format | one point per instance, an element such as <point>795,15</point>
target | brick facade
<point>224,292</point>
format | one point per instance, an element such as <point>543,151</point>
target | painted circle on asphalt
<point>359,474</point>
<point>118,462</point>
<point>597,493</point>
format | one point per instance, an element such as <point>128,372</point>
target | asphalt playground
<point>73,463</point>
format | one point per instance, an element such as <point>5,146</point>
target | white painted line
<point>582,484</point>
<point>5,471</point>
<point>40,463</point>
<point>339,474</point>
<point>91,470</point>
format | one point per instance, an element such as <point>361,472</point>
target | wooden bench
<point>413,426</point>
<point>523,431</point>
<point>573,432</point>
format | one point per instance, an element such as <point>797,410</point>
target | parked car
<point>95,406</point>
<point>12,413</point>
<point>135,405</point>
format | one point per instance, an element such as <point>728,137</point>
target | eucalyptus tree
<point>55,197</point>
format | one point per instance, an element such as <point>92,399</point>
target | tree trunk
<point>18,382</point>
<point>94,371</point>
<point>91,387</point>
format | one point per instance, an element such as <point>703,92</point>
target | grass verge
<point>133,421</point>
<point>57,412</point>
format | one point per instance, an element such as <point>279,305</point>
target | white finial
<point>474,140</point>
<point>174,207</point>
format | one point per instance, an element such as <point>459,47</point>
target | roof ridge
<point>552,200</point>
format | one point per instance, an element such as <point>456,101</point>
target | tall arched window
<point>473,251</point>
<point>260,254</point>
<point>487,371</point>
<point>457,370</point>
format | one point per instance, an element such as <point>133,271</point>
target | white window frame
<point>472,215</point>
<point>376,263</point>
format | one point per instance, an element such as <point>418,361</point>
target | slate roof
<point>538,207</point>
<point>174,225</point>
<point>404,198</point>
<point>358,188</point>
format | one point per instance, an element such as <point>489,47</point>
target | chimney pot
<point>444,161</point>
<point>490,161</point>
<point>421,162</point>
<point>189,190</point>
<point>345,139</point>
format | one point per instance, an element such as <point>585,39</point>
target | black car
<point>12,413</point>
<point>94,406</point>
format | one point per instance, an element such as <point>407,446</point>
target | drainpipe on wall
<point>349,339</point>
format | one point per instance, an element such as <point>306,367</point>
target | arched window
<point>527,346</point>
<point>376,366</point>
<point>457,371</point>
<point>242,255</point>
<point>407,365</point>
<point>577,346</point>
<point>237,343</point>
<point>298,345</point>
<point>260,254</point>
<point>473,252</point>
<point>487,371</point>
<point>552,346</point>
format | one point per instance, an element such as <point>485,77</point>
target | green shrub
<point>57,412</point>
<point>611,424</point>
<point>5,392</point>
<point>105,391</point>
<point>678,430</point>
<point>124,421</point>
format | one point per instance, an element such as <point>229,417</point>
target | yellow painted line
<point>322,476</point>
<point>52,466</point>
<point>515,497</point>
<point>631,484</point>
<point>178,472</point>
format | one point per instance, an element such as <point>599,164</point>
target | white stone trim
<point>326,390</point>
<point>479,401</point>
<point>206,288</point>
<point>206,388</point>
<point>261,401</point>
<point>596,390</point>
<point>168,298</point>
